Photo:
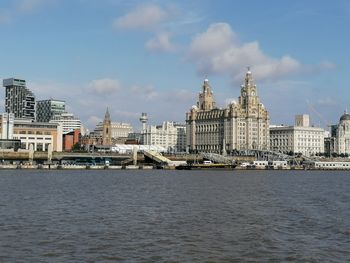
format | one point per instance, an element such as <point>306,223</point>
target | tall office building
<point>242,125</point>
<point>19,100</point>
<point>47,109</point>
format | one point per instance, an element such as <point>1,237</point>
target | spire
<point>107,115</point>
<point>248,78</point>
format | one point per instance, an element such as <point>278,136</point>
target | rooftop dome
<point>345,117</point>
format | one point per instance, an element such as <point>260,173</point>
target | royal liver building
<point>239,126</point>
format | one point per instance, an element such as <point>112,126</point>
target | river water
<point>174,216</point>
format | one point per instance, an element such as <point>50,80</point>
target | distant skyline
<point>152,56</point>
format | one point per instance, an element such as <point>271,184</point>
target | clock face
<point>253,93</point>
<point>244,94</point>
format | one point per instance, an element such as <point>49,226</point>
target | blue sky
<point>152,56</point>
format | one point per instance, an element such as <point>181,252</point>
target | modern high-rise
<point>47,109</point>
<point>242,125</point>
<point>19,100</point>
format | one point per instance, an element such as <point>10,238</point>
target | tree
<point>76,147</point>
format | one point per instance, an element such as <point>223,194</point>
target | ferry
<point>330,165</point>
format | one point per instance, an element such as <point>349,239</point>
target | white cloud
<point>161,42</point>
<point>92,121</point>
<point>126,106</point>
<point>327,102</point>
<point>219,51</point>
<point>145,92</point>
<point>142,17</point>
<point>181,95</point>
<point>104,86</point>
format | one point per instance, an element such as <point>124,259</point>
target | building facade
<point>118,129</point>
<point>47,109</point>
<point>40,135</point>
<point>242,125</point>
<point>7,124</point>
<point>342,139</point>
<point>169,135</point>
<point>68,122</point>
<point>70,139</point>
<point>19,100</point>
<point>300,138</point>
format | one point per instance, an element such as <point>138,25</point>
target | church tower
<point>107,129</point>
<point>206,98</point>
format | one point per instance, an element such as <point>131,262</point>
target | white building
<point>38,134</point>
<point>68,122</point>
<point>170,135</point>
<point>301,138</point>
<point>342,142</point>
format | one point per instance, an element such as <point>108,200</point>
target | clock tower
<point>249,96</point>
<point>107,129</point>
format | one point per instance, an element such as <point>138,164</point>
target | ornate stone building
<point>239,126</point>
<point>343,135</point>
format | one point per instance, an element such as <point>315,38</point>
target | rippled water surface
<point>173,216</point>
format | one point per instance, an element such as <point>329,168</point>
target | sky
<point>152,56</point>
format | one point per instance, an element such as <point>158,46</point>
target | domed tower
<point>206,97</point>
<point>343,134</point>
<point>107,129</point>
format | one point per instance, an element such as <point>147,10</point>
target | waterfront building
<point>118,130</point>
<point>19,100</point>
<point>40,135</point>
<point>107,133</point>
<point>242,125</point>
<point>300,138</point>
<point>68,122</point>
<point>169,135</point>
<point>47,109</point>
<point>70,139</point>
<point>342,133</point>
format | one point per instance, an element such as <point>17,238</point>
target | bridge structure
<point>268,155</point>
<point>260,155</point>
<point>157,157</point>
<point>218,158</point>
